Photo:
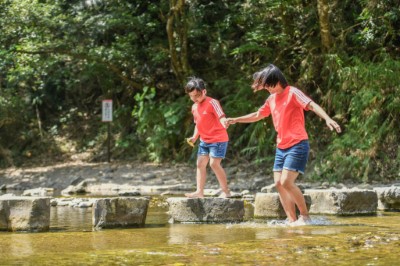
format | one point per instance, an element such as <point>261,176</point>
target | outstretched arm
<point>321,113</point>
<point>250,118</point>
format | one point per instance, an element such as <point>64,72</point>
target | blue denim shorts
<point>215,150</point>
<point>293,158</point>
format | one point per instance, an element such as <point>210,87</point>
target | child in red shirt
<point>286,105</point>
<point>210,127</point>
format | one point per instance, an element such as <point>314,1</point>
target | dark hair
<point>269,76</point>
<point>195,84</point>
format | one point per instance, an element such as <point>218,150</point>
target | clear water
<point>330,240</point>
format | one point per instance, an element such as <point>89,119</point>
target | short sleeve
<point>300,98</point>
<point>265,110</point>
<point>217,108</point>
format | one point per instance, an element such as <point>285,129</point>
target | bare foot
<point>194,195</point>
<point>301,221</point>
<point>305,218</point>
<point>224,195</point>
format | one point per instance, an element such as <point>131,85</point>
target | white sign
<point>106,111</point>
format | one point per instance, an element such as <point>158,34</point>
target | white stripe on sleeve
<point>217,107</point>
<point>301,97</point>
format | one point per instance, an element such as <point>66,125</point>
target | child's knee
<point>286,183</point>
<point>278,184</point>
<point>201,164</point>
<point>202,161</point>
<point>215,163</point>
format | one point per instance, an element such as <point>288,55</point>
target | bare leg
<point>285,197</point>
<point>215,164</point>
<point>288,179</point>
<point>201,176</point>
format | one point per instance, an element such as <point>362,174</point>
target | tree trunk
<point>323,14</point>
<point>177,39</point>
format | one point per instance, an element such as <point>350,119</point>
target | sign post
<point>106,116</point>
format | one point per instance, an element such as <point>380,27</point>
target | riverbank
<point>59,176</point>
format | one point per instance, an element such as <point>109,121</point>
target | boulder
<point>40,192</point>
<point>205,210</point>
<point>343,201</point>
<point>119,212</point>
<point>80,188</point>
<point>18,213</point>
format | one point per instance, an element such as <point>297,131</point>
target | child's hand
<point>190,141</point>
<point>223,122</point>
<point>333,125</point>
<point>230,121</point>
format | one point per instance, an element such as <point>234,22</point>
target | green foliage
<point>159,125</point>
<point>59,59</point>
<point>368,148</point>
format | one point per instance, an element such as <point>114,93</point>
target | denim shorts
<point>215,150</point>
<point>293,158</point>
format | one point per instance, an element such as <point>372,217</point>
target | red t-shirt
<point>287,110</point>
<point>206,116</point>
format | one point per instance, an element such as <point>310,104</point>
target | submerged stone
<point>119,212</point>
<point>343,202</point>
<point>18,213</point>
<point>208,210</point>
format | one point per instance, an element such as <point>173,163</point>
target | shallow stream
<point>330,240</point>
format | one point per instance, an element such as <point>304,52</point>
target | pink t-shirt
<point>206,116</point>
<point>287,110</point>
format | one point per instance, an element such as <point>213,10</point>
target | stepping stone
<point>388,198</point>
<point>268,205</point>
<point>19,213</point>
<point>343,202</point>
<point>205,210</point>
<point>119,212</point>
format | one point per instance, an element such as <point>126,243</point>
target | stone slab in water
<point>18,213</point>
<point>343,201</point>
<point>388,198</point>
<point>205,210</point>
<point>119,212</point>
<point>268,205</point>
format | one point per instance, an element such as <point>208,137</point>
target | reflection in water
<point>70,219</point>
<point>270,229</point>
<point>209,233</point>
<point>368,240</point>
<point>20,245</point>
<point>98,240</point>
<point>268,234</point>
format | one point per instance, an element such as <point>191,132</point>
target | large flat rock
<point>119,212</point>
<point>343,201</point>
<point>205,210</point>
<point>19,213</point>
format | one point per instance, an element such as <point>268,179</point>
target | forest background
<point>59,59</point>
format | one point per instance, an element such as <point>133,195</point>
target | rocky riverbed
<point>60,176</point>
<point>143,178</point>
